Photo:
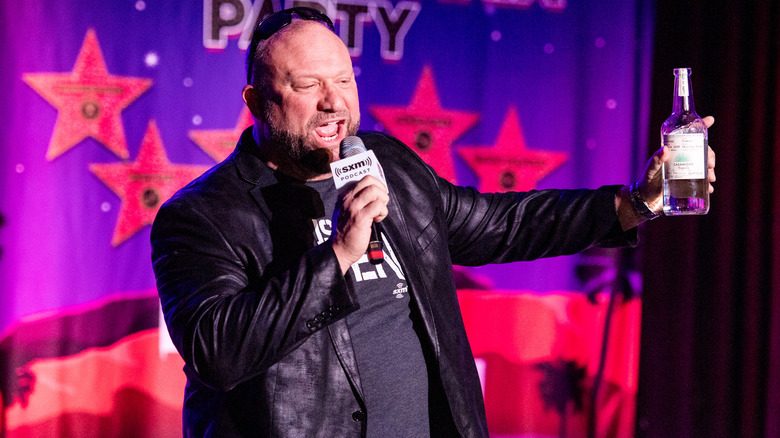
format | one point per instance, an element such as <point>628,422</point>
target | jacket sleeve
<point>229,313</point>
<point>514,226</point>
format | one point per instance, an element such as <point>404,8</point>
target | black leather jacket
<point>258,314</point>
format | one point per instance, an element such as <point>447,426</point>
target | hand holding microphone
<point>363,199</point>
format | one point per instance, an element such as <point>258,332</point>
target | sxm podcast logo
<point>356,167</point>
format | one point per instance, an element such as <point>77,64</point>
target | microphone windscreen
<point>352,145</point>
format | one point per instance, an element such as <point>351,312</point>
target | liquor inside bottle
<point>686,187</point>
<point>686,196</point>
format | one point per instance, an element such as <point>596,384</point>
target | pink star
<point>145,184</point>
<point>426,127</point>
<point>509,164</point>
<point>88,101</point>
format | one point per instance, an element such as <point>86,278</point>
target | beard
<point>299,147</point>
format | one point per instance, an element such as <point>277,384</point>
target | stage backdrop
<point>108,107</point>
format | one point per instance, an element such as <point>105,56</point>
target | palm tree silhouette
<point>563,383</point>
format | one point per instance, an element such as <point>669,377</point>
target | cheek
<point>297,112</point>
<point>353,103</point>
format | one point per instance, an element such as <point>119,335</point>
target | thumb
<point>652,170</point>
<point>651,186</point>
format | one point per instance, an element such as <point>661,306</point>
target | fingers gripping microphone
<point>357,162</point>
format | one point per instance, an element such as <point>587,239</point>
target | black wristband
<point>639,204</point>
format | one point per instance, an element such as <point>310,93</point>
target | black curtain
<point>710,349</point>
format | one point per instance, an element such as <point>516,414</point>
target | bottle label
<point>687,160</point>
<point>682,83</point>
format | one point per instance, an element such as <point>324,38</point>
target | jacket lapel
<point>252,169</point>
<point>342,343</point>
<point>406,247</point>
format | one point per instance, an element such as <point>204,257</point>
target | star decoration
<point>219,143</point>
<point>426,127</point>
<point>509,164</point>
<point>145,184</point>
<point>88,101</point>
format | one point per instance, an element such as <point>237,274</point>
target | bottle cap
<point>682,81</point>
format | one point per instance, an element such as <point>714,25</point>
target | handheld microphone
<point>355,163</point>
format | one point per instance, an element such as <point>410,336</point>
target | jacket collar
<point>249,164</point>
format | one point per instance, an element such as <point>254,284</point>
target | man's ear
<point>253,99</point>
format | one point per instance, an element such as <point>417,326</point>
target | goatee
<point>308,156</point>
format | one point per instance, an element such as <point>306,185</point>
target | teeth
<point>328,127</point>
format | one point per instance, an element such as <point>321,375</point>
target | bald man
<point>285,327</point>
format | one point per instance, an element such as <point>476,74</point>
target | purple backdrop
<point>573,76</point>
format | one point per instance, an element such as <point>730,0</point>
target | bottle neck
<point>683,92</point>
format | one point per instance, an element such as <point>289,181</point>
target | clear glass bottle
<point>686,187</point>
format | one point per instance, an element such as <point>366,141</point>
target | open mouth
<point>328,131</point>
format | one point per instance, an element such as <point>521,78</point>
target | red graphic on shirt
<point>145,184</point>
<point>88,101</point>
<point>426,127</point>
<point>219,143</point>
<point>509,164</point>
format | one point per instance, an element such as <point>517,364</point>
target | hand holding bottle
<point>651,185</point>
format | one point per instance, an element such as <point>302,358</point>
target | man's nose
<point>332,99</point>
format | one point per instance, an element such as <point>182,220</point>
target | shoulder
<point>408,176</point>
<point>383,142</point>
<point>394,155</point>
<point>218,207</point>
<point>241,171</point>
<point>213,182</point>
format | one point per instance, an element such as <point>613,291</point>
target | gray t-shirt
<point>388,350</point>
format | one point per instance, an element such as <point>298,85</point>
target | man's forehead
<point>302,29</point>
<point>309,39</point>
